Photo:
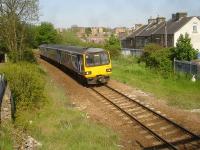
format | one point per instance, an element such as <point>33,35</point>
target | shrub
<point>27,55</point>
<point>26,82</point>
<point>157,57</point>
<point>161,59</point>
<point>148,50</point>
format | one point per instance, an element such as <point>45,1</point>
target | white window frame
<point>194,29</point>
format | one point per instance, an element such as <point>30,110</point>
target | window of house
<point>194,28</point>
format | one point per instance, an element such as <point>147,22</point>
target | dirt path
<point>102,113</point>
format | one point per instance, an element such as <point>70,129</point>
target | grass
<point>178,90</point>
<point>5,133</point>
<point>59,126</point>
<point>6,137</point>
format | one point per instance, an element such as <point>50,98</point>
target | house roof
<point>136,32</point>
<point>173,26</point>
<point>159,28</point>
<point>151,28</point>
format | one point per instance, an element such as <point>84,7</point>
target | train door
<point>77,63</point>
<point>59,56</point>
<point>80,63</point>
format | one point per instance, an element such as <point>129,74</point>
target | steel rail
<point>158,137</point>
<point>196,137</point>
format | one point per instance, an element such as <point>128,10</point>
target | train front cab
<point>97,67</point>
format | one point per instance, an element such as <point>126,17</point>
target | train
<point>91,65</point>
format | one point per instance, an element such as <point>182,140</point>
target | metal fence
<point>186,67</point>
<point>132,52</point>
<point>2,86</point>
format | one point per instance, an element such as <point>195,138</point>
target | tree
<point>14,15</point>
<point>88,31</point>
<point>113,46</point>
<point>184,49</point>
<point>31,35</point>
<point>70,38</point>
<point>47,34</point>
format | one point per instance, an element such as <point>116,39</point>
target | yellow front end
<point>98,74</point>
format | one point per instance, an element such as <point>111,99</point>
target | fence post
<point>174,65</point>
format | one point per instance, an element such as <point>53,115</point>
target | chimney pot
<point>179,15</point>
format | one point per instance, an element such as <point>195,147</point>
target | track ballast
<point>163,132</point>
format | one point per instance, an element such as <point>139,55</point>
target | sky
<point>111,13</point>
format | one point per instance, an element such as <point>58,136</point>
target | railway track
<point>163,133</point>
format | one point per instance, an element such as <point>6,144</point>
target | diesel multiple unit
<point>92,65</point>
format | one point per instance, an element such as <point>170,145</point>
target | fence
<point>132,52</point>
<point>2,86</point>
<point>186,67</point>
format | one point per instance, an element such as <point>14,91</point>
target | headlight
<point>108,70</point>
<point>88,72</point>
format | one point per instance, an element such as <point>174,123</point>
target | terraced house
<point>165,33</point>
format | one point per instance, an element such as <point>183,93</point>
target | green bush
<point>157,57</point>
<point>148,50</point>
<point>27,55</point>
<point>161,59</point>
<point>26,82</point>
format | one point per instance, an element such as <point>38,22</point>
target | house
<point>130,42</point>
<point>98,39</point>
<point>165,33</point>
<point>120,31</point>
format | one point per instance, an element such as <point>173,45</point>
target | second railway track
<point>163,132</point>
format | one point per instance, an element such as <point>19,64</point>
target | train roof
<point>73,49</point>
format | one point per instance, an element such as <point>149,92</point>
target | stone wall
<point>6,107</point>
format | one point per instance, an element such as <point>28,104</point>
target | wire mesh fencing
<point>188,67</point>
<point>132,52</point>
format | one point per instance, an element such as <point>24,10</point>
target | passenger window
<point>104,58</point>
<point>97,59</point>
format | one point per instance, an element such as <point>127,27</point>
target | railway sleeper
<point>135,109</point>
<point>154,124</point>
<point>125,105</point>
<point>143,116</point>
<point>141,112</point>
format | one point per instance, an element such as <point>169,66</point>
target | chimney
<point>151,21</point>
<point>160,19</point>
<point>178,16</point>
<point>173,17</point>
<point>137,26</point>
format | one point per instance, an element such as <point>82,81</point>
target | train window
<point>104,58</point>
<point>97,59</point>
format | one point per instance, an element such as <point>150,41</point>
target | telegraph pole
<point>165,34</point>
